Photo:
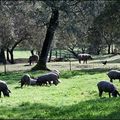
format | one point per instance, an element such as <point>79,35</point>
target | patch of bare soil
<point>73,65</point>
<point>111,59</point>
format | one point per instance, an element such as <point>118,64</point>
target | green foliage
<point>75,97</point>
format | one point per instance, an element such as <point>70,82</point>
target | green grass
<point>75,97</point>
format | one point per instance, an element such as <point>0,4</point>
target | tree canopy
<point>89,26</point>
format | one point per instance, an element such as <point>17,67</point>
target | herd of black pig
<point>53,78</point>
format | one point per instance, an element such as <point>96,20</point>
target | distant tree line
<point>79,25</point>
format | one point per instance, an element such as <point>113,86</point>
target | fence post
<point>70,64</point>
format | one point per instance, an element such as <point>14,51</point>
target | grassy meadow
<point>21,54</point>
<point>75,97</point>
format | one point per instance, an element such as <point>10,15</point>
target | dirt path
<point>112,59</point>
<point>61,66</point>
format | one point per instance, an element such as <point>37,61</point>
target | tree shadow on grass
<point>15,77</point>
<point>107,108</point>
<point>11,77</point>
<point>17,87</point>
<point>70,74</point>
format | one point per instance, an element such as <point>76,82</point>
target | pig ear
<point>9,91</point>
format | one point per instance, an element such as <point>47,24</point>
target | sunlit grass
<point>21,54</point>
<point>75,97</point>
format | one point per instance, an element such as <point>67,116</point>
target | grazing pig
<point>4,89</point>
<point>104,86</point>
<point>56,72</point>
<point>113,74</point>
<point>25,80</point>
<point>33,58</point>
<point>84,57</point>
<point>32,81</point>
<point>41,81</point>
<point>48,78</point>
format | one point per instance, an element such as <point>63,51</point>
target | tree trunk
<point>12,61</point>
<point>112,49</point>
<point>74,53</point>
<point>7,54</point>
<point>83,50</point>
<point>60,53</point>
<point>109,47</point>
<point>2,56</point>
<point>32,52</point>
<point>3,59</point>
<point>50,55</point>
<point>98,52</point>
<point>56,54</point>
<point>53,24</point>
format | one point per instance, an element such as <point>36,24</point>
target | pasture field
<point>75,97</point>
<point>21,54</point>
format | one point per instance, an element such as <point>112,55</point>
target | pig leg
<point>22,85</point>
<point>109,95</point>
<point>0,94</point>
<point>79,61</point>
<point>111,80</point>
<point>100,93</point>
<point>49,83</point>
